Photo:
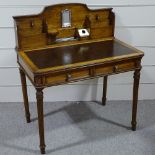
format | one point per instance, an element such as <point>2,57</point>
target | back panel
<point>36,31</point>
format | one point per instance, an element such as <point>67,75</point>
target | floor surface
<point>79,128</point>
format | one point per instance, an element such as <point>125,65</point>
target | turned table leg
<point>39,96</point>
<point>104,90</point>
<point>135,98</point>
<point>25,97</point>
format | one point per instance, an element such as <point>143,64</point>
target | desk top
<point>85,53</point>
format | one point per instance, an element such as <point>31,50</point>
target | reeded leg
<point>25,97</point>
<point>135,98</point>
<point>39,96</point>
<point>104,90</point>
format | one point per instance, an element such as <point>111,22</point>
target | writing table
<point>48,61</point>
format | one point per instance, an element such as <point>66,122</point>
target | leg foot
<point>133,126</point>
<point>28,120</point>
<point>104,101</point>
<point>42,150</point>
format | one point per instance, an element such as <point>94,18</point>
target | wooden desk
<point>63,62</point>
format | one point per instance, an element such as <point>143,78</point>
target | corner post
<point>104,97</point>
<point>135,98</point>
<point>25,96</point>
<point>39,97</point>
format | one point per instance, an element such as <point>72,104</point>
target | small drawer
<point>77,74</point>
<point>56,78</point>
<point>67,76</point>
<point>124,67</point>
<point>119,67</point>
<point>100,70</point>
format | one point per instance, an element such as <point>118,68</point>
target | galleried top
<point>63,23</point>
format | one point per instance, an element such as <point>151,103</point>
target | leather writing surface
<point>60,56</point>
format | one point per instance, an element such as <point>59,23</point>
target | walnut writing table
<point>47,60</point>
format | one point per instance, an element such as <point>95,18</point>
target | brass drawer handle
<point>69,76</point>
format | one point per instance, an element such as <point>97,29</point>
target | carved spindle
<point>87,22</point>
<point>97,17</point>
<point>44,26</point>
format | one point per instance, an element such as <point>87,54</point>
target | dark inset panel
<point>60,56</point>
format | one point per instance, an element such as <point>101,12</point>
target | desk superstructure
<point>50,52</point>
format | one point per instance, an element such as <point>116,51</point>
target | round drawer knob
<point>115,68</point>
<point>69,76</point>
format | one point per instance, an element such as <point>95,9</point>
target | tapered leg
<point>135,98</point>
<point>104,90</point>
<point>39,96</point>
<point>25,97</point>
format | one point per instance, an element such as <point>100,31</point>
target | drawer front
<point>77,74</point>
<point>99,70</point>
<point>88,72</point>
<point>67,77</point>
<point>116,68</point>
<point>124,67</point>
<point>55,78</point>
